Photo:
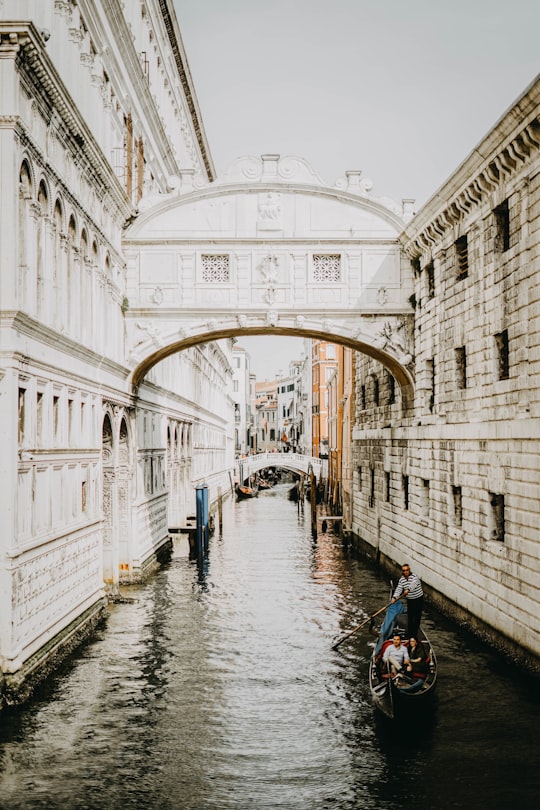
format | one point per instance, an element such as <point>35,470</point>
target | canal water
<point>218,688</point>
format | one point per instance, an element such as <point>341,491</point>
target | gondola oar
<point>342,639</point>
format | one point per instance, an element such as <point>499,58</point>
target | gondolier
<point>410,587</point>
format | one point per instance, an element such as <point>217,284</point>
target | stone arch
<point>372,346</point>
<point>26,179</point>
<point>94,252</point>
<point>84,243</point>
<point>43,197</point>
<point>72,228</point>
<point>58,214</point>
<point>269,249</point>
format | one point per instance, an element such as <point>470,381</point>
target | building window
<point>430,279</point>
<point>431,383</point>
<point>496,517</point>
<point>391,386</point>
<point>372,487</point>
<point>387,487</point>
<point>327,267</point>
<point>22,410</point>
<point>359,470</point>
<point>425,497</point>
<point>363,397</point>
<point>215,268</point>
<point>56,422</point>
<point>461,367</point>
<point>39,419</point>
<point>458,507</point>
<point>502,227</point>
<point>462,257</point>
<point>405,487</point>
<point>375,384</point>
<point>503,362</point>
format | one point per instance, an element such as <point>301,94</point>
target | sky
<point>400,90</point>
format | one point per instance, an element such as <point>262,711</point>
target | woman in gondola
<point>417,668</point>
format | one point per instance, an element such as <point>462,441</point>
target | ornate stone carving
<point>272,317</point>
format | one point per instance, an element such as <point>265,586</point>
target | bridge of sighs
<point>269,249</point>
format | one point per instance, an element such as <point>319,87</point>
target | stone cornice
<point>23,324</point>
<point>35,64</point>
<point>187,84</point>
<point>501,154</point>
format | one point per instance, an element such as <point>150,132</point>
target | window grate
<point>327,267</point>
<point>215,268</point>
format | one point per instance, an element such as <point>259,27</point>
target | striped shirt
<point>412,584</point>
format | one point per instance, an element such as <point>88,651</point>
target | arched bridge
<point>296,462</point>
<point>269,249</point>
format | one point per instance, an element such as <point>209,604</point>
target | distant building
<point>324,361</point>
<point>241,396</point>
<point>265,406</point>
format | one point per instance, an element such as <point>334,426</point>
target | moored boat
<point>411,690</point>
<point>245,492</point>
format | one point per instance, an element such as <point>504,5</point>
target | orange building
<point>323,364</point>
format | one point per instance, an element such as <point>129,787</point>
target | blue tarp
<point>387,627</point>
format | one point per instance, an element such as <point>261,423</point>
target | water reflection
<point>218,687</point>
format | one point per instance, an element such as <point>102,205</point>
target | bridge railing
<point>292,461</point>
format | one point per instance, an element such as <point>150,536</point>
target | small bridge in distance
<point>296,462</point>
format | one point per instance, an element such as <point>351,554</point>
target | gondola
<point>243,492</point>
<point>388,697</point>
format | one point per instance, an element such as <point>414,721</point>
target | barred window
<point>327,267</point>
<point>215,268</point>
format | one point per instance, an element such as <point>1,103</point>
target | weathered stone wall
<point>466,458</point>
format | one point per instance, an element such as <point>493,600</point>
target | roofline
<point>514,119</point>
<point>180,56</point>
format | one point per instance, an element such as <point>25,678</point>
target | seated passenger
<point>396,655</point>
<point>417,668</point>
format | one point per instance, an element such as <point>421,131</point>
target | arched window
<point>41,245</point>
<point>25,200</point>
<point>58,219</point>
<point>71,282</point>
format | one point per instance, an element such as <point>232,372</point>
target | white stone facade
<point>454,487</point>
<point>97,111</point>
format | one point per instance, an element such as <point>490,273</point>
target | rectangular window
<point>391,388</point>
<point>458,508</point>
<point>375,389</point>
<point>496,517</point>
<point>430,279</point>
<point>215,268</point>
<point>387,487</point>
<point>461,367</point>
<point>372,487</point>
<point>462,257</point>
<point>502,227</point>
<point>56,423</point>
<point>272,434</point>
<point>39,419</point>
<point>503,362</point>
<point>359,470</point>
<point>71,424</point>
<point>405,487</point>
<point>424,494</point>
<point>430,365</point>
<point>327,267</point>
<point>363,397</point>
<point>21,414</point>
